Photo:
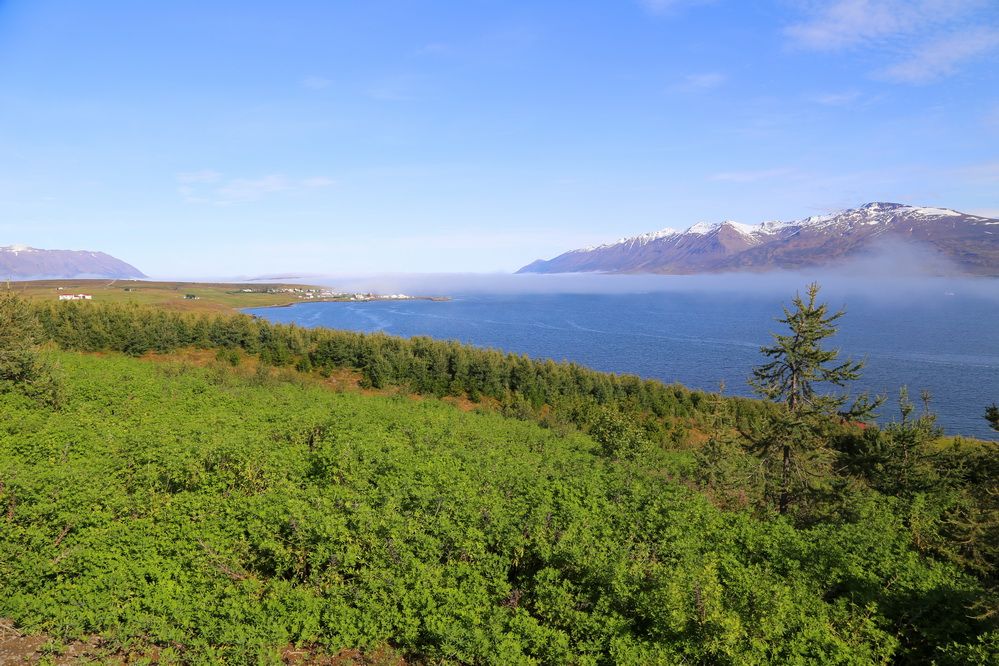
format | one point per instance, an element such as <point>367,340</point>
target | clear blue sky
<point>240,138</point>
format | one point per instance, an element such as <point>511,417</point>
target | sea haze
<point>937,335</point>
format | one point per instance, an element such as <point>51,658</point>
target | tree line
<point>560,393</point>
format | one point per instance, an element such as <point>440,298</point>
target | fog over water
<point>938,334</point>
<point>885,286</point>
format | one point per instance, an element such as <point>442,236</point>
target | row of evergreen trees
<point>560,393</point>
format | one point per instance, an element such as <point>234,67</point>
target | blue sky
<point>244,138</point>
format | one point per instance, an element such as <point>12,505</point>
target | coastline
<point>436,299</point>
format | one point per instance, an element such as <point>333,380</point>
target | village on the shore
<point>313,293</point>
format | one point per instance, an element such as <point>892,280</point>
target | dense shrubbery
<point>223,517</point>
<point>225,514</point>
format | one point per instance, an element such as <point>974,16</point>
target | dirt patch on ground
<point>384,656</point>
<point>466,404</point>
<point>201,358</point>
<point>342,379</point>
<point>17,648</point>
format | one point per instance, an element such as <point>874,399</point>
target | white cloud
<point>844,23</point>
<point>941,57</point>
<point>210,187</point>
<point>930,38</point>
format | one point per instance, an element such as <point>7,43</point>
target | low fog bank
<point>781,283</point>
<point>887,269</point>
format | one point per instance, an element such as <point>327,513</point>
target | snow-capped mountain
<point>970,242</point>
<point>20,262</point>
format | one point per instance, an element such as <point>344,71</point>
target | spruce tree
<point>22,367</point>
<point>792,377</point>
<point>992,416</point>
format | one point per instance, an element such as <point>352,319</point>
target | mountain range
<point>968,243</point>
<point>21,263</point>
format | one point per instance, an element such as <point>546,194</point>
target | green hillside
<point>226,517</point>
<point>235,504</point>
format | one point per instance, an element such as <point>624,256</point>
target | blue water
<point>946,344</point>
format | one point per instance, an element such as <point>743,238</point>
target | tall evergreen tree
<point>992,416</point>
<point>21,365</point>
<point>798,365</point>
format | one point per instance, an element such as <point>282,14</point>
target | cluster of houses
<point>372,297</point>
<point>283,290</point>
<point>324,293</point>
<point>301,293</point>
<point>76,297</point>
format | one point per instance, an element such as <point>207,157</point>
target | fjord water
<point>943,342</point>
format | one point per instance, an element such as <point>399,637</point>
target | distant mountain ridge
<point>969,242</point>
<point>21,263</point>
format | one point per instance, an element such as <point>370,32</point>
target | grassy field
<point>211,297</point>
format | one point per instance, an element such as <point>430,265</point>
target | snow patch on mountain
<point>643,239</point>
<point>935,212</point>
<point>811,241</point>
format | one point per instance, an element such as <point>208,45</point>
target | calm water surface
<point>947,344</point>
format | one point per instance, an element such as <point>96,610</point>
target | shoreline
<point>190,296</point>
<point>435,299</point>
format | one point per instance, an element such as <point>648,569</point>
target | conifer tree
<point>992,416</point>
<point>21,365</point>
<point>798,364</point>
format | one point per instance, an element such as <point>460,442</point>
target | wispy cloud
<point>250,189</point>
<point>210,187</point>
<point>942,57</point>
<point>751,176</point>
<point>845,23</point>
<point>844,98</point>
<point>932,37</point>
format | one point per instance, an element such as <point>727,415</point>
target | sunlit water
<point>945,343</point>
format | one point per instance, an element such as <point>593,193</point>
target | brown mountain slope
<point>19,262</point>
<point>969,243</point>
